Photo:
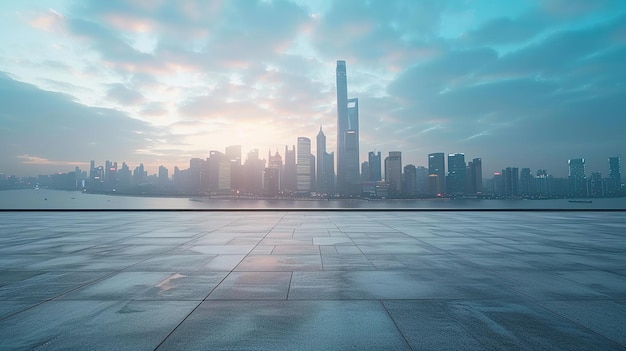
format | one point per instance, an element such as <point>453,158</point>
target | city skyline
<point>532,82</point>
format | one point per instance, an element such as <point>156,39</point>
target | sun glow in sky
<point>517,83</point>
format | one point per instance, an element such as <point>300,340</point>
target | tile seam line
<point>218,284</point>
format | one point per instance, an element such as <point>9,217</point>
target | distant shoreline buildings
<point>303,174</point>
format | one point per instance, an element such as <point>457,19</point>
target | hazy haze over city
<point>523,83</point>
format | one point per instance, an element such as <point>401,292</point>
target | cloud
<point>51,126</point>
<point>123,95</point>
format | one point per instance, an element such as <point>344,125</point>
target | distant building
<point>614,182</point>
<point>474,176</point>
<point>325,165</point>
<point>409,181</point>
<point>374,165</point>
<point>526,182</point>
<point>577,186</point>
<point>289,183</point>
<point>455,182</point>
<point>303,165</point>
<point>163,176</point>
<point>393,173</point>
<point>436,174</point>
<point>421,175</point>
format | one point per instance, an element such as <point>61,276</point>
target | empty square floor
<point>286,280</point>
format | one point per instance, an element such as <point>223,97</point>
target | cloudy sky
<point>524,83</point>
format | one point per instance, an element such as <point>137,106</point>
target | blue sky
<point>517,83</point>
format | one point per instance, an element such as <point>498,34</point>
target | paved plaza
<point>288,280</point>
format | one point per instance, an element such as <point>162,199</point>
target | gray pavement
<point>313,280</point>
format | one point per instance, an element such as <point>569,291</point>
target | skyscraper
<point>576,180</point>
<point>325,169</point>
<point>475,176</point>
<point>374,161</point>
<point>437,173</point>
<point>456,174</point>
<point>409,181</point>
<point>289,179</point>
<point>303,165</point>
<point>615,176</point>
<point>342,122</point>
<point>348,179</point>
<point>393,172</point>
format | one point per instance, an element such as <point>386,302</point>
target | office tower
<point>233,154</point>
<point>163,175</point>
<point>348,178</point>
<point>211,171</point>
<point>352,174</point>
<point>541,182</point>
<point>474,174</point>
<point>275,162</point>
<point>329,172</point>
<point>365,171</point>
<point>312,172</point>
<point>195,175</point>
<point>224,175</point>
<point>342,123</point>
<point>614,185</point>
<point>393,173</point>
<point>596,185</point>
<point>374,161</point>
<point>497,184</point>
<point>325,172</point>
<point>456,174</point>
<point>303,165</point>
<point>139,174</point>
<point>437,174</point>
<point>125,175</point>
<point>320,150</point>
<point>576,180</point>
<point>526,182</point>
<point>510,181</point>
<point>271,181</point>
<point>253,168</point>
<point>409,181</point>
<point>289,183</point>
<point>421,179</point>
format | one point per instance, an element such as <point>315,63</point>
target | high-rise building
<point>374,160</point>
<point>342,123</point>
<point>456,174</point>
<point>233,154</point>
<point>436,174</point>
<point>163,175</point>
<point>325,168</point>
<point>393,173</point>
<point>274,162</point>
<point>421,177</point>
<point>409,181</point>
<point>211,171</point>
<point>510,181</point>
<point>526,182</point>
<point>577,186</point>
<point>254,167</point>
<point>614,183</point>
<point>290,175</point>
<point>348,177</point>
<point>303,165</point>
<point>474,179</point>
<point>365,171</point>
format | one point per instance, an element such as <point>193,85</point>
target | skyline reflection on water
<point>72,200</point>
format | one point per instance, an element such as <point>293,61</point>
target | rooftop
<point>312,280</point>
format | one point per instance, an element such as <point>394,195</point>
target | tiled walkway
<point>313,280</point>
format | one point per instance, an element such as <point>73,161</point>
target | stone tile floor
<point>313,280</point>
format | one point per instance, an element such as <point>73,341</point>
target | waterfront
<point>74,200</point>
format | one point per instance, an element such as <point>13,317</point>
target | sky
<point>525,83</point>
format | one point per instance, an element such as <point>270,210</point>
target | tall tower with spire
<point>348,178</point>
